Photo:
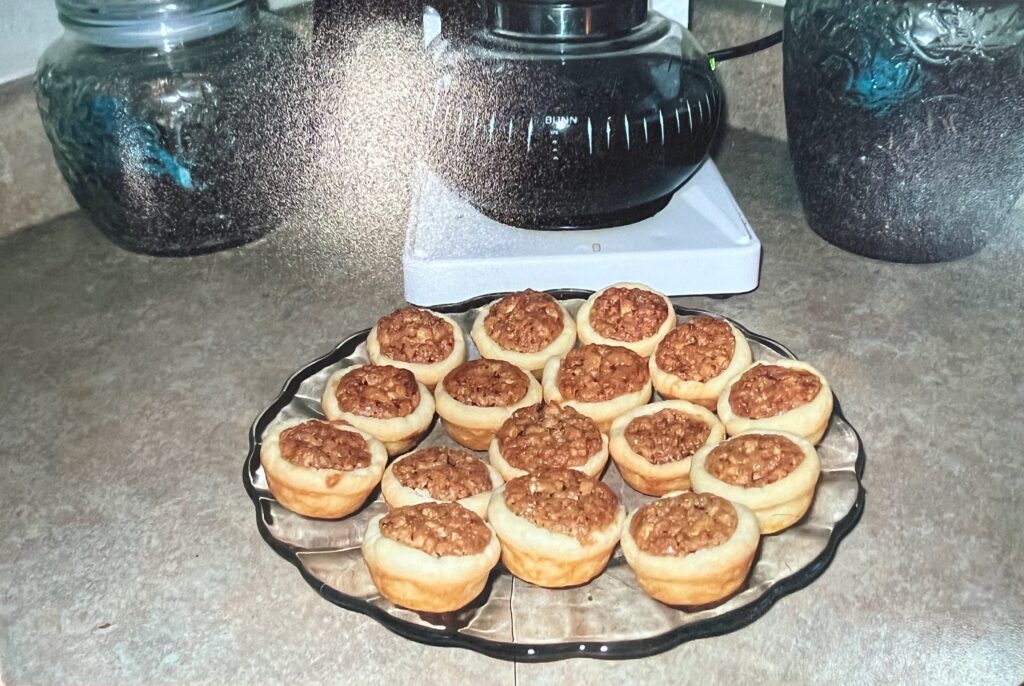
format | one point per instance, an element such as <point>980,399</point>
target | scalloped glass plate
<point>609,617</point>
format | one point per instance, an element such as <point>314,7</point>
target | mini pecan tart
<point>428,344</point>
<point>440,475</point>
<point>627,314</point>
<point>599,381</point>
<point>689,548</point>
<point>321,469</point>
<point>546,435</point>
<point>652,445</point>
<point>785,395</point>
<point>525,328</point>
<point>476,398</point>
<point>384,401</point>
<point>557,526</point>
<point>771,472</point>
<point>431,557</point>
<point>697,359</point>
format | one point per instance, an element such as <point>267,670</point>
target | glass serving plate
<point>610,617</point>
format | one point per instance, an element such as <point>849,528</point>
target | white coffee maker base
<point>700,244</point>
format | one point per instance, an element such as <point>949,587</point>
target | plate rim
<point>546,652</point>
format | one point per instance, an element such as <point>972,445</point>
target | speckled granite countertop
<point>128,550</point>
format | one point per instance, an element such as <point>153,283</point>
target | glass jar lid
<point>149,23</point>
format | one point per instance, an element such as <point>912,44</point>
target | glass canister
<point>905,122</point>
<point>169,119</point>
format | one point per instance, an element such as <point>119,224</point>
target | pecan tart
<point>547,435</point>
<point>697,359</point>
<point>689,548</point>
<point>599,381</point>
<point>384,401</point>
<point>557,526</point>
<point>440,475</point>
<point>628,314</point>
<point>476,398</point>
<point>431,557</point>
<point>773,473</point>
<point>428,344</point>
<point>321,469</point>
<point>652,446</point>
<point>524,328</point>
<point>785,395</point>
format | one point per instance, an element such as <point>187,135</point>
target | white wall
<point>26,28</point>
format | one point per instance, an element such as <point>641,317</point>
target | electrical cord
<point>745,49</point>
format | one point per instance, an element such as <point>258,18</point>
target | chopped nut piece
<point>437,529</point>
<point>628,314</point>
<point>666,436</point>
<point>321,445</point>
<point>379,391</point>
<point>444,473</point>
<point>768,390</point>
<point>487,383</point>
<point>563,501</point>
<point>546,435</point>
<point>683,524</point>
<point>595,373</point>
<point>698,350</point>
<point>754,460</point>
<point>524,322</point>
<point>414,335</point>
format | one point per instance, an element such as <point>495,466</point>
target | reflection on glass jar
<point>168,119</point>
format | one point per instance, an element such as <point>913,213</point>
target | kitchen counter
<point>129,551</point>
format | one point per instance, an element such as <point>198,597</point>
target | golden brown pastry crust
<point>320,493</point>
<point>704,393</point>
<point>398,434</point>
<point>705,576</point>
<point>568,425</point>
<point>777,505</point>
<point>657,479</point>
<point>532,362</point>
<point>602,412</point>
<point>427,374</point>
<point>546,558</point>
<point>473,427</point>
<point>411,578</point>
<point>643,347</point>
<point>397,494</point>
<point>809,420</point>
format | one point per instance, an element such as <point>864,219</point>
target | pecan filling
<point>699,350</point>
<point>376,391</point>
<point>628,314</point>
<point>754,460</point>
<point>563,501</point>
<point>414,335</point>
<point>666,436</point>
<point>595,373</point>
<point>768,390</point>
<point>321,445</point>
<point>524,322</point>
<point>437,529</point>
<point>443,473</point>
<point>683,524</point>
<point>546,435</point>
<point>487,383</point>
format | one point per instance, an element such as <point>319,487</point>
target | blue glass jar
<point>169,119</point>
<point>904,121</point>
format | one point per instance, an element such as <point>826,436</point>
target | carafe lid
<point>564,19</point>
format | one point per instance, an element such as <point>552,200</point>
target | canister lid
<point>150,23</point>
